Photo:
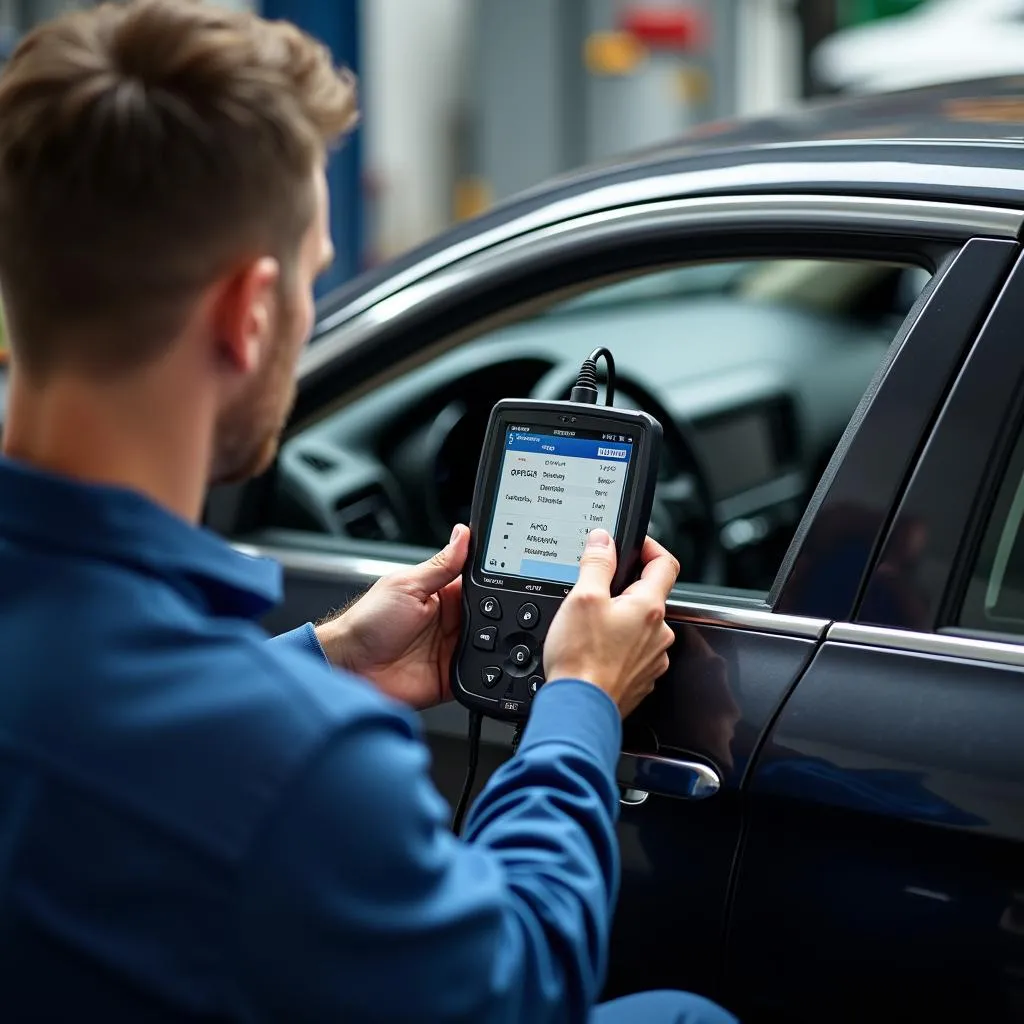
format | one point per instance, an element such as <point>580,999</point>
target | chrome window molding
<point>603,212</point>
<point>607,199</point>
<point>366,571</point>
<point>757,620</point>
<point>935,644</point>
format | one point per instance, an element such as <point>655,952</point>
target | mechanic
<point>198,822</point>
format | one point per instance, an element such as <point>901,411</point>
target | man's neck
<point>128,433</point>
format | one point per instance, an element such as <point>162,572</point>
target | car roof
<point>960,142</point>
<point>989,110</point>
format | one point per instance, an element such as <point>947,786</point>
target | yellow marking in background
<point>472,197</point>
<point>693,85</point>
<point>613,53</point>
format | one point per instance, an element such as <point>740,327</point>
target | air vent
<point>368,516</point>
<point>319,462</point>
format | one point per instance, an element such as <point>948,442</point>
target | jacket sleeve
<point>302,639</point>
<point>358,903</point>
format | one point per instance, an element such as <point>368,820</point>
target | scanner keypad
<point>506,649</point>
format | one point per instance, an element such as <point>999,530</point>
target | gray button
<point>528,616</point>
<point>485,638</point>
<point>520,655</point>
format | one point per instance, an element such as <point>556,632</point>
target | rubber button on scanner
<point>528,616</point>
<point>520,654</point>
<point>485,638</point>
<point>534,684</point>
<point>490,676</point>
<point>489,606</point>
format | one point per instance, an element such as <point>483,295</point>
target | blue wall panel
<point>336,23</point>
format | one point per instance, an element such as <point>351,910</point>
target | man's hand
<point>402,633</point>
<point>617,643</point>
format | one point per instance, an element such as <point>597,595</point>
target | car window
<point>674,282</point>
<point>994,600</point>
<point>760,363</point>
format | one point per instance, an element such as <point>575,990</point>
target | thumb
<point>439,570</point>
<point>597,564</point>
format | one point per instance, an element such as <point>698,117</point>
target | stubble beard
<point>249,431</point>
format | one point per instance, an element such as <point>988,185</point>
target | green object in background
<point>857,12</point>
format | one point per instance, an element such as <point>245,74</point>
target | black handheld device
<point>549,473</point>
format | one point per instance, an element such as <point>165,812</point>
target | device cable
<point>475,722</point>
<point>586,380</point>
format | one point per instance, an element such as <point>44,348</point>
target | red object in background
<point>667,28</point>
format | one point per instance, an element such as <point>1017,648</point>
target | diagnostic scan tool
<point>549,473</point>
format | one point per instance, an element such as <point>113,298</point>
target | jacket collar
<point>115,524</point>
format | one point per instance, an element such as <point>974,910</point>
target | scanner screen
<point>553,489</point>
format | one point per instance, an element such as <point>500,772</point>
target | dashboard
<point>764,391</point>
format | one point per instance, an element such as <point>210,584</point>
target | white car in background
<point>940,41</point>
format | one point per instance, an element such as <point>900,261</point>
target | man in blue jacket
<point>196,822</point>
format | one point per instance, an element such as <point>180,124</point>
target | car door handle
<point>642,774</point>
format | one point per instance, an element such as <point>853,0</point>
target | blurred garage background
<point>468,101</point>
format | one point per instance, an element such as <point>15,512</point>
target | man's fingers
<point>660,572</point>
<point>660,567</point>
<point>451,607</point>
<point>668,636</point>
<point>651,551</point>
<point>597,563</point>
<point>439,570</point>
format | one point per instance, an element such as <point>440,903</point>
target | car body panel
<point>883,841</point>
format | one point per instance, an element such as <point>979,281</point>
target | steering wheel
<point>683,515</point>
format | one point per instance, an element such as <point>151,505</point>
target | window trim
<point>608,200</point>
<point>940,645</point>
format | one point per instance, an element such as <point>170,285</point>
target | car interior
<point>753,367</point>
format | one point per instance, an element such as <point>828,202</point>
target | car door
<point>738,655</point>
<point>882,869</point>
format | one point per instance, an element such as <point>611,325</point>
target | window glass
<point>761,363</point>
<point>994,602</point>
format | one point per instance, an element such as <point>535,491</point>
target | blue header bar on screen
<point>569,447</point>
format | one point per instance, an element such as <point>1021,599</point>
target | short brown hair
<point>144,148</point>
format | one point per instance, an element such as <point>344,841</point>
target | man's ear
<point>244,312</point>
